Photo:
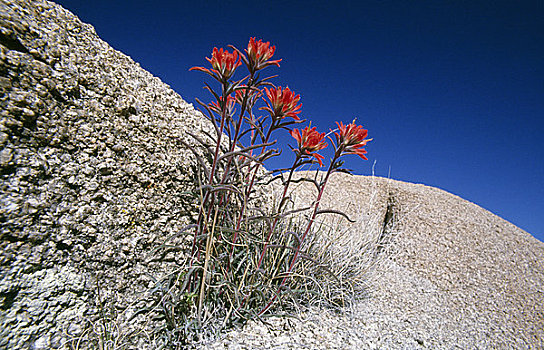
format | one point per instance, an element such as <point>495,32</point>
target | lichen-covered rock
<point>92,171</point>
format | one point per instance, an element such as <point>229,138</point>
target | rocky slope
<point>452,276</point>
<point>92,173</point>
<point>92,168</point>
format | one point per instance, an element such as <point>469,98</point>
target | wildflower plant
<point>243,259</point>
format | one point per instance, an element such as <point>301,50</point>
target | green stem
<point>312,219</point>
<point>276,219</point>
<point>248,191</point>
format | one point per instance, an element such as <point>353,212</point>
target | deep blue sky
<point>451,91</point>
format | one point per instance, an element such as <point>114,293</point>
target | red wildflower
<point>223,62</point>
<point>259,53</point>
<point>282,103</point>
<point>253,94</point>
<point>351,139</point>
<point>214,106</point>
<point>309,142</point>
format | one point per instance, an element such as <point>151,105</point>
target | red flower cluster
<point>218,107</point>
<point>351,138</point>
<point>282,103</point>
<point>309,142</point>
<point>259,53</point>
<point>253,94</point>
<point>223,62</point>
